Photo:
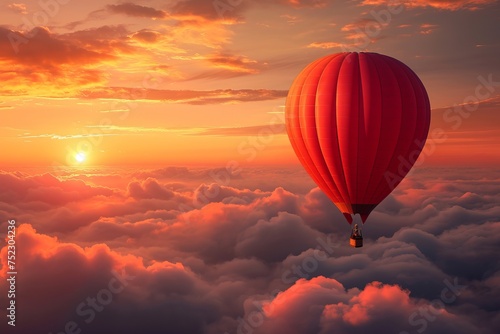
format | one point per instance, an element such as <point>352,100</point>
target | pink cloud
<point>47,189</point>
<point>371,303</point>
<point>323,305</point>
<point>149,188</point>
<point>67,275</point>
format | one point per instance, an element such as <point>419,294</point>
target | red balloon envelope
<point>357,122</point>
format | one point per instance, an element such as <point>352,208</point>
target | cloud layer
<point>198,251</point>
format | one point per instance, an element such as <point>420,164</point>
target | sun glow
<point>80,157</point>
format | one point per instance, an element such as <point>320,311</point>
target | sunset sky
<point>186,82</point>
<point>147,139</point>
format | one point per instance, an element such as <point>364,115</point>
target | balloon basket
<point>356,242</point>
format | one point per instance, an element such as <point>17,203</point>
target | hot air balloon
<point>357,123</point>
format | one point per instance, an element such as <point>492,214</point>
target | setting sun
<point>80,157</point>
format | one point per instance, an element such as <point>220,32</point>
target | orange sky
<point>188,83</point>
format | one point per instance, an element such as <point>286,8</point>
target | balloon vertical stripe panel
<point>370,129</point>
<point>326,122</point>
<point>295,134</point>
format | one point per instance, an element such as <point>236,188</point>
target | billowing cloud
<point>47,189</point>
<point>323,305</point>
<point>39,57</point>
<point>40,48</point>
<point>150,188</point>
<point>72,61</point>
<point>83,282</point>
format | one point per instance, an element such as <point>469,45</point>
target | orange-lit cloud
<point>60,137</point>
<point>230,64</point>
<point>325,45</point>
<point>361,34</point>
<point>232,11</point>
<point>112,40</point>
<point>197,30</point>
<point>268,130</point>
<point>224,65</point>
<point>73,274</point>
<point>445,4</point>
<point>18,7</point>
<point>304,3</point>
<point>135,10</point>
<point>76,60</point>
<point>184,96</point>
<point>291,19</point>
<point>357,30</point>
<point>369,305</point>
<point>322,305</point>
<point>196,10</point>
<point>39,48</point>
<point>427,28</point>
<point>38,61</point>
<point>147,36</point>
<point>233,63</point>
